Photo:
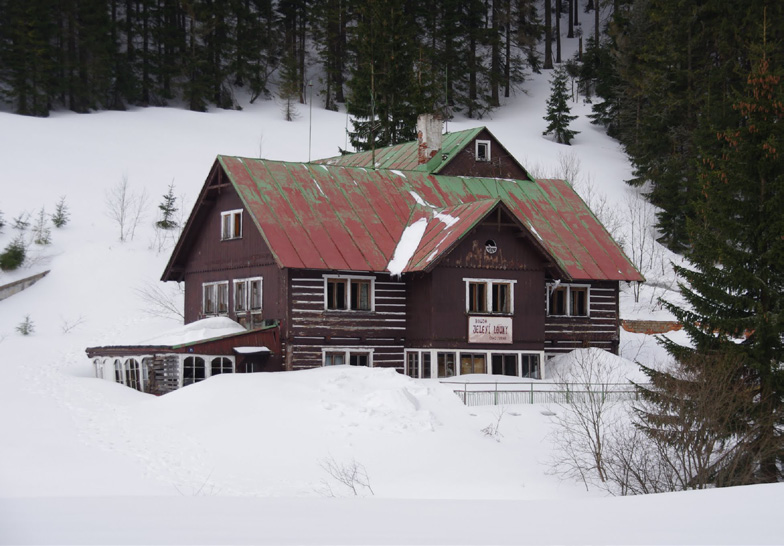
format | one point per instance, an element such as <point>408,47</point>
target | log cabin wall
<point>437,315</point>
<point>501,164</point>
<point>600,329</point>
<point>312,328</point>
<point>213,260</point>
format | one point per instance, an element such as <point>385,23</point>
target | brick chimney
<point>429,129</point>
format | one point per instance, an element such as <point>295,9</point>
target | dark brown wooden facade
<point>420,311</point>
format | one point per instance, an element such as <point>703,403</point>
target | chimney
<point>429,128</point>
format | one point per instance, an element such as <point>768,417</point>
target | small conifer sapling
<point>42,235</point>
<point>61,214</point>
<point>26,327</point>
<point>168,208</point>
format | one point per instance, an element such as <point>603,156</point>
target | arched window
<point>118,372</point>
<point>98,368</point>
<point>220,365</point>
<point>147,372</point>
<point>132,374</point>
<point>193,368</point>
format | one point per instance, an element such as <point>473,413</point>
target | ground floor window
<point>445,363</point>
<point>340,356</point>
<point>505,364</point>
<point>198,368</point>
<point>530,366</point>
<point>472,363</point>
<point>221,365</point>
<point>132,374</point>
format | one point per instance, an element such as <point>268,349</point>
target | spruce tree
<point>735,282</point>
<point>558,111</point>
<point>61,214</point>
<point>168,207</point>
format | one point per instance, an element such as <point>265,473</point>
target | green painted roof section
<point>404,156</point>
<point>326,217</point>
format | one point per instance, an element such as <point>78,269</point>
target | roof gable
<point>404,156</point>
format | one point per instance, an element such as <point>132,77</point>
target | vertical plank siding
<point>313,328</point>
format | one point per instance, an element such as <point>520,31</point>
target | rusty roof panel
<point>261,212</point>
<point>445,229</point>
<point>327,217</point>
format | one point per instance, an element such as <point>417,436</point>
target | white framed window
<point>349,293</point>
<point>568,300</point>
<point>482,152</point>
<point>247,295</point>
<point>448,363</point>
<point>353,356</point>
<point>231,224</point>
<point>490,296</point>
<point>215,298</point>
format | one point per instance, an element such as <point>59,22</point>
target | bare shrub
<point>126,208</point>
<point>68,325</point>
<point>585,422</point>
<point>351,475</point>
<point>163,300</point>
<point>493,430</point>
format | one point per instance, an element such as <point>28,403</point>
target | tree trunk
<point>558,31</point>
<point>548,35</point>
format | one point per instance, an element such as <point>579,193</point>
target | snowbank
<point>593,365</point>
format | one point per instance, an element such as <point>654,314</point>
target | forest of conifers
<point>663,77</point>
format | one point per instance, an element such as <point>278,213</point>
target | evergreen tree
<point>42,235</point>
<point>168,207</point>
<point>61,214</point>
<point>736,277</point>
<point>558,111</point>
<point>389,87</point>
<point>14,255</point>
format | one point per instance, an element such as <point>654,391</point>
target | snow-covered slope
<point>88,461</point>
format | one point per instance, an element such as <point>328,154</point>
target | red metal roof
<point>316,216</point>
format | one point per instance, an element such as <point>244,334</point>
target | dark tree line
<point>666,75</point>
<point>388,58</point>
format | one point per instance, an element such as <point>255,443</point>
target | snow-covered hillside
<point>247,458</point>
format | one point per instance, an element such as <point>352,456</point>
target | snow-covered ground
<point>247,458</point>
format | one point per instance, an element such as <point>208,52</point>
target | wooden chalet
<point>446,259</point>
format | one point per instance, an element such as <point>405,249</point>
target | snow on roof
<point>200,330</point>
<point>251,350</point>
<point>408,244</point>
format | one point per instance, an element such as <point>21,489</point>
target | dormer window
<point>231,224</point>
<point>482,150</point>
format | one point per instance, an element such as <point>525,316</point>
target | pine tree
<point>558,111</point>
<point>168,207</point>
<point>735,283</point>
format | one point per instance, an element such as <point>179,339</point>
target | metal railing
<point>507,393</point>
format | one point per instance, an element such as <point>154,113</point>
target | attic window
<point>483,150</point>
<point>231,224</point>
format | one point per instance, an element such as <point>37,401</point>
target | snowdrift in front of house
<point>593,365</point>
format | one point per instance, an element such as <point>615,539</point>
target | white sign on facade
<point>489,329</point>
